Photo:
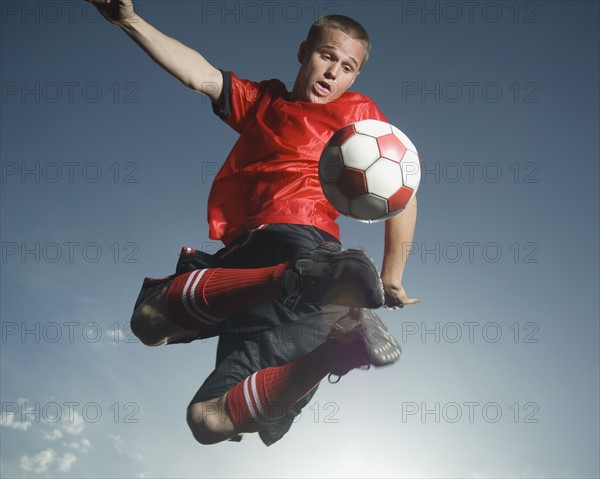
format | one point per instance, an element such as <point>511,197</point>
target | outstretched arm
<point>184,63</point>
<point>399,234</point>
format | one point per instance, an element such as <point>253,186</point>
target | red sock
<point>206,296</point>
<point>263,397</point>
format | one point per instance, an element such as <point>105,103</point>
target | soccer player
<point>289,305</point>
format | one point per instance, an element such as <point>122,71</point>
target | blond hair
<point>343,23</point>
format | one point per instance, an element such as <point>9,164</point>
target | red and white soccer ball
<point>369,170</point>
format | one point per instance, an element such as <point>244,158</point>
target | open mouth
<point>323,88</point>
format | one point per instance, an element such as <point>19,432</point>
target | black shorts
<point>264,334</point>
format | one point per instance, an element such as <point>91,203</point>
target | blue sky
<point>106,168</point>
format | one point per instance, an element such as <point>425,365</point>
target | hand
<point>115,11</point>
<point>395,295</point>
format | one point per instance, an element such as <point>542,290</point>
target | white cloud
<point>8,420</point>
<point>118,442</point>
<point>73,425</point>
<point>48,460</point>
<point>52,435</point>
<point>116,335</point>
<point>65,462</point>
<point>82,445</point>
<point>39,462</point>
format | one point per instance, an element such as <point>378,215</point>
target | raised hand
<point>115,11</point>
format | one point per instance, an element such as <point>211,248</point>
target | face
<point>329,69</point>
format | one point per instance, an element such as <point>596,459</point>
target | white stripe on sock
<point>184,296</point>
<point>249,399</point>
<point>192,295</point>
<point>202,315</point>
<point>187,298</point>
<point>256,397</point>
<point>189,301</point>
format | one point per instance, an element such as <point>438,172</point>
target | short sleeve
<point>239,96</point>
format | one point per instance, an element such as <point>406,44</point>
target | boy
<point>282,266</point>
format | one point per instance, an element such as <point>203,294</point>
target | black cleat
<point>332,275</point>
<point>363,340</point>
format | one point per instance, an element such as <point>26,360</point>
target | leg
<point>202,298</point>
<point>240,354</point>
<point>189,305</point>
<point>217,420</point>
<point>261,399</point>
<point>209,421</point>
<point>151,324</point>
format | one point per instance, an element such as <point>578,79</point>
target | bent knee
<point>143,327</point>
<point>209,422</point>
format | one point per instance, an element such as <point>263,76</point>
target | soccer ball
<point>369,170</point>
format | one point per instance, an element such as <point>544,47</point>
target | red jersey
<point>271,175</point>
